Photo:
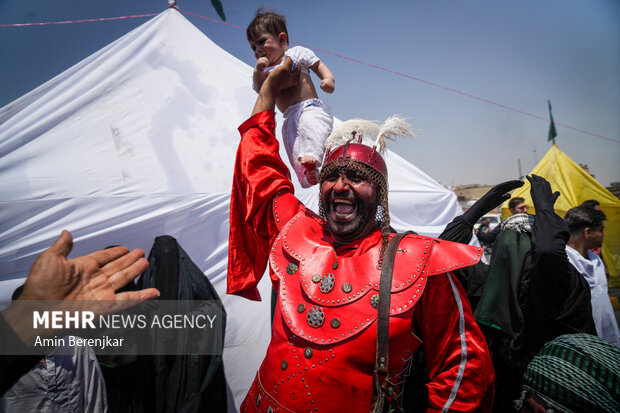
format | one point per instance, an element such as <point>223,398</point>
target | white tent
<point>138,140</point>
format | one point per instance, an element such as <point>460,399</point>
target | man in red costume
<point>326,271</point>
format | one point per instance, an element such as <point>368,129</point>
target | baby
<point>307,120</point>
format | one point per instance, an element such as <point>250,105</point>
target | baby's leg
<point>315,125</point>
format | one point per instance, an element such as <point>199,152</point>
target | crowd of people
<point>365,317</point>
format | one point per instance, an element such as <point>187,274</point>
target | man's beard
<point>351,229</point>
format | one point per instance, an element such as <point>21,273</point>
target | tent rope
<point>101,19</point>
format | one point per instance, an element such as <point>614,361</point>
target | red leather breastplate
<point>326,306</point>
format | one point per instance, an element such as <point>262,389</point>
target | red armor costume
<point>322,352</point>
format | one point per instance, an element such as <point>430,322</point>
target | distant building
<point>468,194</point>
<point>614,188</point>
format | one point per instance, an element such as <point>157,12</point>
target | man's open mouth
<point>343,207</point>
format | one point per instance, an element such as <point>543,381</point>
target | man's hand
<point>279,79</point>
<point>542,197</point>
<point>283,77</point>
<point>492,199</point>
<point>95,276</point>
<point>328,85</point>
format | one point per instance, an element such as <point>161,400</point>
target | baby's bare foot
<point>308,161</point>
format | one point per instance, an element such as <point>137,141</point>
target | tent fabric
<point>575,186</point>
<point>138,140</point>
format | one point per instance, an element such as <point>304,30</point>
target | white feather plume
<point>393,127</point>
<point>371,133</point>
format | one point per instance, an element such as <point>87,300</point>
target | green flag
<point>552,132</point>
<point>217,5</point>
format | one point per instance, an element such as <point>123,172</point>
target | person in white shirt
<point>586,232</point>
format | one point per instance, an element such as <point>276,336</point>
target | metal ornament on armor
<point>315,317</point>
<point>374,300</point>
<point>327,283</point>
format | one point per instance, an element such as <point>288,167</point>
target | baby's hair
<point>268,20</point>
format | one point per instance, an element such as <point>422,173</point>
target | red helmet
<point>358,152</point>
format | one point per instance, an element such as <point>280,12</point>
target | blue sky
<point>516,54</point>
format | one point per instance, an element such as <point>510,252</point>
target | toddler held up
<point>307,120</point>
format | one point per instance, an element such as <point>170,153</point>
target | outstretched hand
<point>492,199</point>
<point>542,197</point>
<point>95,276</point>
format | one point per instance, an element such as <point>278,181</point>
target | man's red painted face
<point>350,204</point>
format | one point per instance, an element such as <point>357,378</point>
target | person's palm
<point>96,276</point>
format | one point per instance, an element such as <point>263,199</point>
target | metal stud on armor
<point>315,317</point>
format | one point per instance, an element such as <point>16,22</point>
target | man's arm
<point>259,176</point>
<point>460,229</point>
<point>328,82</point>
<point>559,298</point>
<point>457,357</point>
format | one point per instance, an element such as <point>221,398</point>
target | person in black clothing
<point>532,293</point>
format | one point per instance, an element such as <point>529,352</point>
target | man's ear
<point>283,38</point>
